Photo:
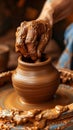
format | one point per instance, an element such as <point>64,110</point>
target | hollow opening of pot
<point>43,58</point>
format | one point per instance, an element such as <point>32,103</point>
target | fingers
<point>35,29</point>
<point>20,39</point>
<point>43,42</point>
<point>31,42</point>
<point>27,36</point>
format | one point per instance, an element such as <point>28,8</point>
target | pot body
<point>35,83</point>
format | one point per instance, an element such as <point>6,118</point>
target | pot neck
<point>30,66</point>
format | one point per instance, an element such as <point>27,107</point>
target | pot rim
<point>34,64</point>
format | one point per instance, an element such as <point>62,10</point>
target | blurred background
<point>15,11</point>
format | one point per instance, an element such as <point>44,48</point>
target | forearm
<point>62,8</point>
<point>58,9</point>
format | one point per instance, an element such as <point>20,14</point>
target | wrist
<point>47,13</point>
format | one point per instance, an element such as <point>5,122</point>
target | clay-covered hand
<point>32,38</point>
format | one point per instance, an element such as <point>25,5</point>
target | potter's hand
<point>32,37</point>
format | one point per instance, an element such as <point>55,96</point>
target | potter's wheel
<point>64,96</point>
<point>9,98</point>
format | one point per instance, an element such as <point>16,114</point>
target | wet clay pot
<point>35,82</point>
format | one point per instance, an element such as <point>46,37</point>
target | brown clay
<point>66,76</point>
<point>5,77</point>
<point>58,114</point>
<point>35,83</point>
